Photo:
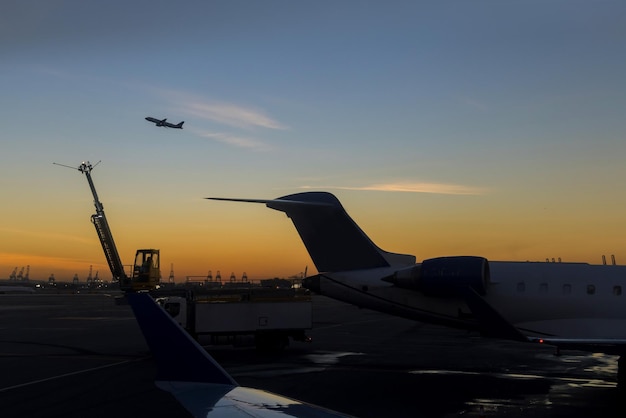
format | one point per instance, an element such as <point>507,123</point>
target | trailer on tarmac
<point>233,315</point>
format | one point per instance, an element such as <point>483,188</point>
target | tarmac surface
<point>84,356</point>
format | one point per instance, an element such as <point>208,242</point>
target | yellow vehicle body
<point>146,270</point>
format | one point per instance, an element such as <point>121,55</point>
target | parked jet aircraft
<point>197,381</point>
<point>164,123</point>
<point>568,305</point>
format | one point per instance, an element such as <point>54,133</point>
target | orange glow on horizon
<point>199,236</point>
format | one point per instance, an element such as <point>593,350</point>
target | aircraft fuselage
<point>564,300</point>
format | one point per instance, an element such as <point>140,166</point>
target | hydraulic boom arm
<point>146,272</point>
<point>99,221</point>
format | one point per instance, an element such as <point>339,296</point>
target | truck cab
<point>176,306</point>
<point>146,270</point>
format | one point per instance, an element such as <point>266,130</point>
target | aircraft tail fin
<point>191,362</point>
<point>179,125</point>
<point>334,241</point>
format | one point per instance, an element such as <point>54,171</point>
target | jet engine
<point>444,276</point>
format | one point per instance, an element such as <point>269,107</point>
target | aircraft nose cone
<point>312,283</point>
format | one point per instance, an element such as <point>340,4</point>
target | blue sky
<point>482,127</point>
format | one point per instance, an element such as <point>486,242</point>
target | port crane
<point>146,271</point>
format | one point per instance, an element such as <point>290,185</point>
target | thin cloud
<point>231,115</point>
<point>435,188</point>
<point>24,259</point>
<point>41,266</point>
<point>46,235</point>
<point>225,113</point>
<point>473,103</point>
<point>237,141</point>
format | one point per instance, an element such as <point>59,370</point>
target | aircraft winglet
<point>198,382</point>
<point>178,357</point>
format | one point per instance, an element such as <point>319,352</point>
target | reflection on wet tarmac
<point>607,364</point>
<point>564,395</point>
<point>328,357</point>
<point>570,381</point>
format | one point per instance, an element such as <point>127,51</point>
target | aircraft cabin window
<point>543,287</point>
<point>521,287</point>
<point>591,289</point>
<point>617,290</point>
<point>567,289</point>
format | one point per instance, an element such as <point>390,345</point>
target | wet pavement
<point>83,355</point>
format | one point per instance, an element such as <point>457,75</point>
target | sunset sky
<point>491,128</point>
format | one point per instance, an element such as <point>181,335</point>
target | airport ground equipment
<point>235,315</point>
<point>146,271</point>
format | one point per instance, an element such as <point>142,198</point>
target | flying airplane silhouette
<point>567,305</point>
<point>164,123</point>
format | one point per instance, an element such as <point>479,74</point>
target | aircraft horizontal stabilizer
<point>273,203</point>
<point>334,241</point>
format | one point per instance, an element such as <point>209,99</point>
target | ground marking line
<point>68,374</point>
